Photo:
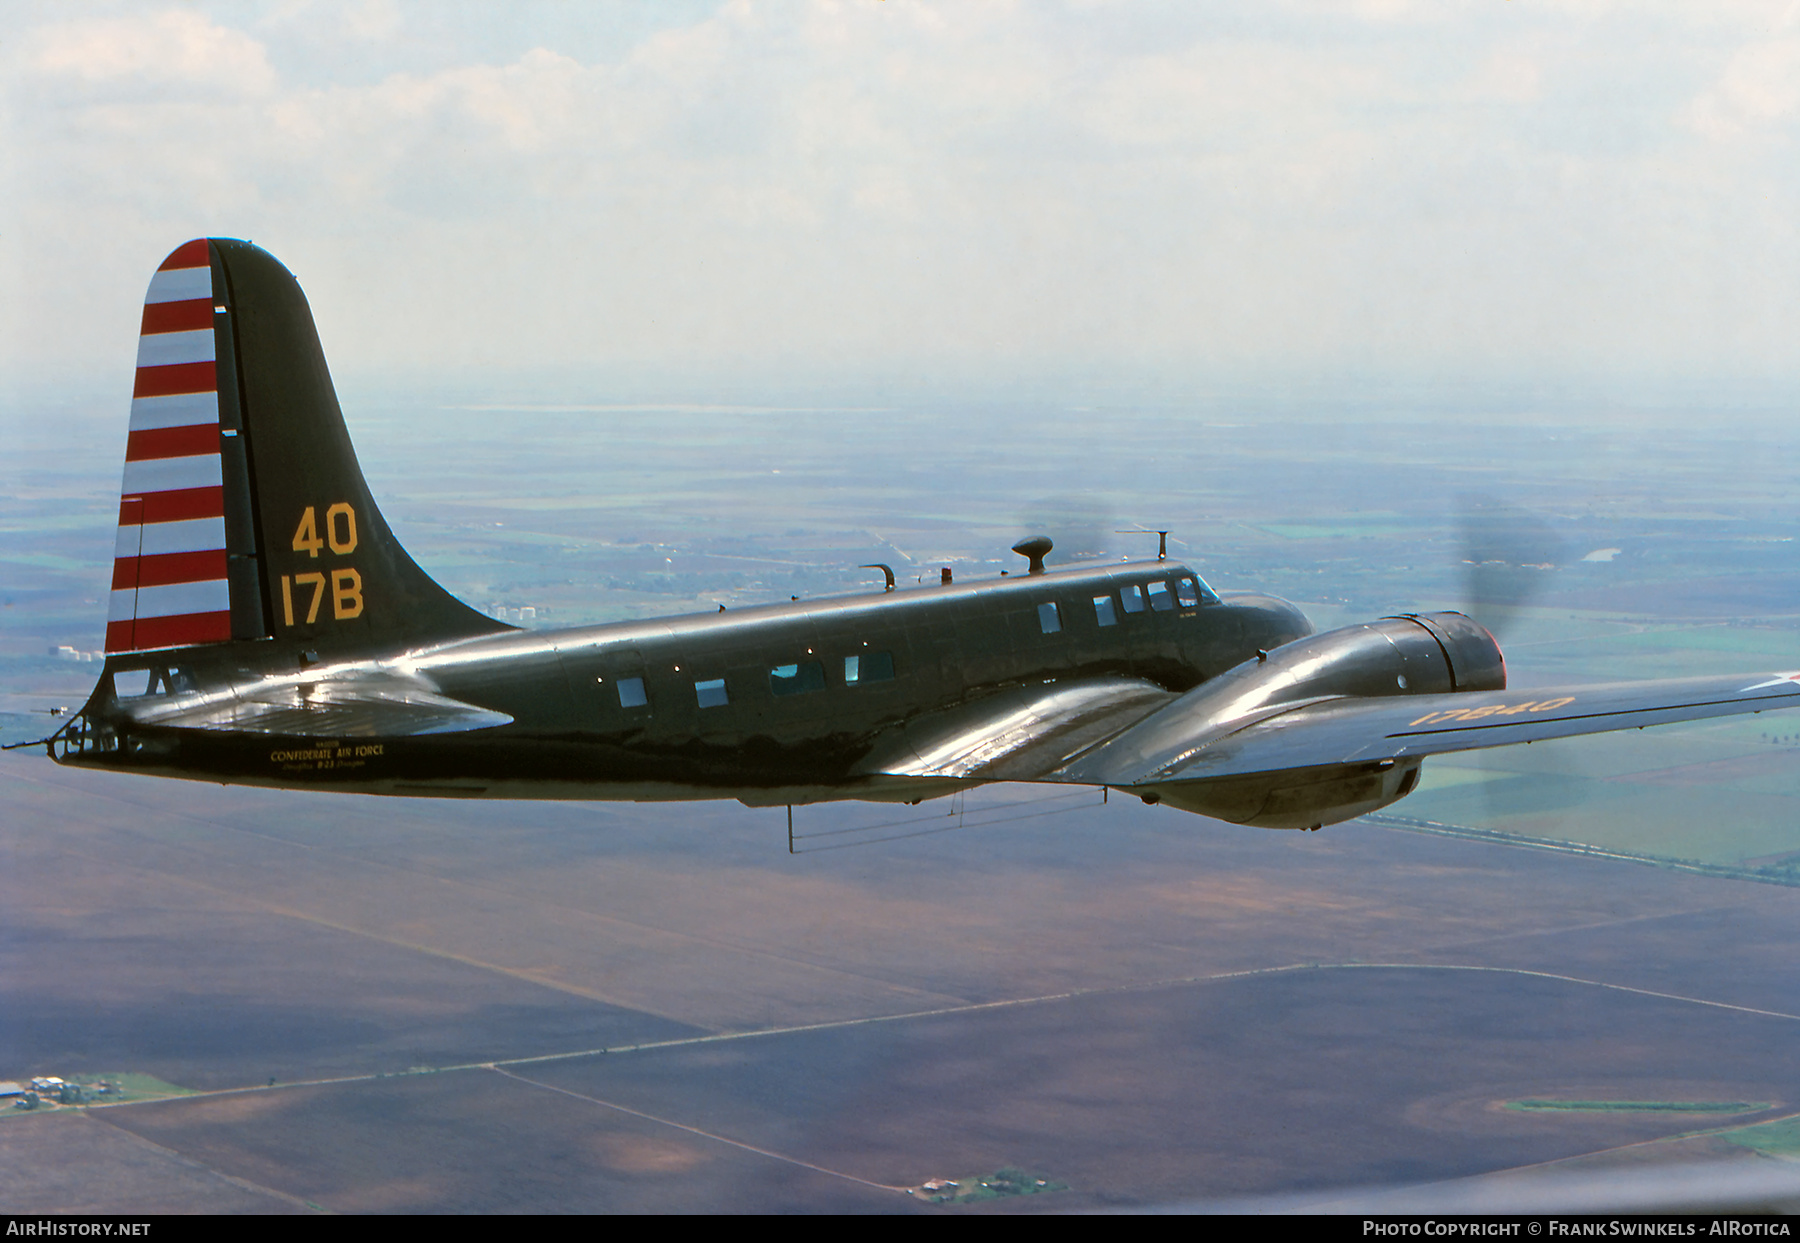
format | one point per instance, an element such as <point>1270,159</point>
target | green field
<point>1775,1139</point>
<point>1721,793</point>
<point>135,1087</point>
<point>1766,641</point>
<point>1671,1107</point>
<point>1001,1184</point>
<point>125,1088</point>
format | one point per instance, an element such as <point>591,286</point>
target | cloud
<point>1758,91</point>
<point>176,49</point>
<point>906,186</point>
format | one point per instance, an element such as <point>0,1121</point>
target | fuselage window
<point>133,683</point>
<point>869,667</point>
<point>1104,612</point>
<point>711,693</point>
<point>1132,598</point>
<point>1160,599</point>
<point>793,679</point>
<point>631,693</point>
<point>1048,618</point>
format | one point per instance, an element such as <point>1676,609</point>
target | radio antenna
<point>1162,540</point>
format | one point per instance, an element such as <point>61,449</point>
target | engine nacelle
<point>1418,654</point>
<point>1301,798</point>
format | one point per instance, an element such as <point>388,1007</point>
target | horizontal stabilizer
<point>381,705</point>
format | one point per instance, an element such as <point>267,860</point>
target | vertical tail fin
<point>243,513</point>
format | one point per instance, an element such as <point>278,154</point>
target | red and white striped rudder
<point>169,586</point>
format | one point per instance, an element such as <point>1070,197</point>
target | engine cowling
<point>1302,798</point>
<point>1416,654</point>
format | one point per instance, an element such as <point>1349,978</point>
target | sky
<point>590,198</point>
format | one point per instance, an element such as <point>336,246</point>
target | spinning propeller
<point>1508,558</point>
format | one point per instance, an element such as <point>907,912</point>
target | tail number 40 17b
<point>346,584</point>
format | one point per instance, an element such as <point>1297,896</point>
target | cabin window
<point>793,679</point>
<point>1132,598</point>
<point>631,692</point>
<point>869,667</point>
<point>133,683</point>
<point>1104,611</point>
<point>1048,618</point>
<point>711,693</point>
<point>1160,599</point>
<point>136,683</point>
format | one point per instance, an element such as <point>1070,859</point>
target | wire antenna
<point>1162,539</point>
<point>957,816</point>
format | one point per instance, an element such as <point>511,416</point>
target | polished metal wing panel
<point>1019,734</point>
<point>1344,730</point>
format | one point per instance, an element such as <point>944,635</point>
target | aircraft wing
<point>1350,730</point>
<point>361,705</point>
<point>1019,734</point>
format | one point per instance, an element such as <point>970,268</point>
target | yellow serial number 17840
<point>1476,714</point>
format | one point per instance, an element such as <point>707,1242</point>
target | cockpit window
<point>1160,599</point>
<point>1192,591</point>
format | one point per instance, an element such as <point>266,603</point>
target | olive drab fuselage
<point>775,703</point>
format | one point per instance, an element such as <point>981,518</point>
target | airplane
<point>265,627</point>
